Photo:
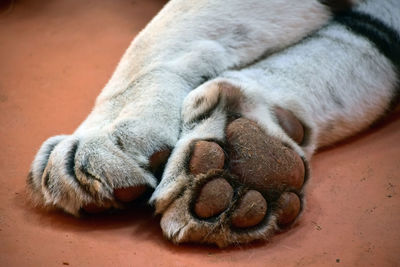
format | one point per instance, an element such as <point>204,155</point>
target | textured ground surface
<point>57,55</point>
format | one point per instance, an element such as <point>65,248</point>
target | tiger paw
<point>240,190</point>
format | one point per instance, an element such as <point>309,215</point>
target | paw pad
<point>251,210</point>
<point>124,195</point>
<point>129,194</point>
<point>94,208</point>
<point>290,124</point>
<point>261,161</point>
<point>206,156</point>
<point>290,208</point>
<point>158,160</point>
<point>214,198</point>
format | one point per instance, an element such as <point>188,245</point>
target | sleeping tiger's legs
<point>238,172</point>
<point>137,115</point>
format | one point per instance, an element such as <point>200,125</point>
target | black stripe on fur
<point>337,5</point>
<point>70,166</point>
<point>386,39</point>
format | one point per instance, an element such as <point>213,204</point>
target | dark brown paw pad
<point>290,205</point>
<point>129,194</point>
<point>290,124</point>
<point>93,208</point>
<point>250,211</point>
<point>124,195</point>
<point>206,156</point>
<point>260,161</point>
<point>214,197</point>
<point>157,162</point>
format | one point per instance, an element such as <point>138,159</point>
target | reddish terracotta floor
<point>57,55</point>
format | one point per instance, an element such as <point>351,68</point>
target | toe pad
<point>250,211</point>
<point>214,198</point>
<point>206,156</point>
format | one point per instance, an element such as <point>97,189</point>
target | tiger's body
<point>336,82</point>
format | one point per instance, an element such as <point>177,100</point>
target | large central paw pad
<point>261,161</point>
<point>242,190</point>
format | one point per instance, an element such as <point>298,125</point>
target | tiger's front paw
<point>229,181</point>
<point>242,190</point>
<point>93,172</point>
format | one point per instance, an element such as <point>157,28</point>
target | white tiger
<point>334,83</point>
